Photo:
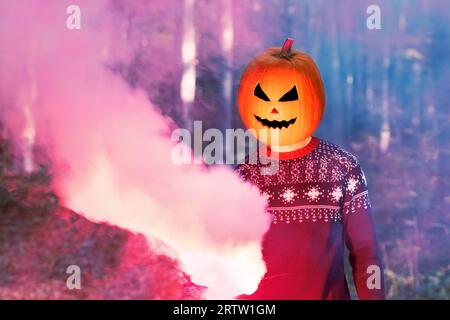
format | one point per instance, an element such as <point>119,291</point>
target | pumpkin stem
<point>286,49</point>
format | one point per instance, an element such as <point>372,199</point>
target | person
<point>318,198</point>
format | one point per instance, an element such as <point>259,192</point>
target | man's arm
<point>360,237</point>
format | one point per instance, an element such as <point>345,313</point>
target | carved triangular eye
<point>260,93</point>
<point>291,95</point>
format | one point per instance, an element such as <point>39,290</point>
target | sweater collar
<point>313,143</point>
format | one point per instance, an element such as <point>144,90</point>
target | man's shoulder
<point>336,154</point>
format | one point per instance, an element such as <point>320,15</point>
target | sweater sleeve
<point>360,239</point>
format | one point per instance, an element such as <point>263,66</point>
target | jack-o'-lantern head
<point>281,89</point>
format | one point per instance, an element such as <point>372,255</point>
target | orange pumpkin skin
<point>277,72</point>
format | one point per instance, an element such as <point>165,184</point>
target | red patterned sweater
<point>318,201</point>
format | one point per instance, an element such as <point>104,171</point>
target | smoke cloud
<point>111,150</point>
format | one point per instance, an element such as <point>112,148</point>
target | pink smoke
<point>111,150</point>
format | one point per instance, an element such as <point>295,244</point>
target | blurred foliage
<point>26,200</point>
<point>432,285</point>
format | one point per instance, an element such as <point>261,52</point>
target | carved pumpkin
<point>281,89</point>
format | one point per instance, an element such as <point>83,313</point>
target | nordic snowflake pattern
<point>351,184</point>
<point>313,194</point>
<point>288,195</point>
<point>336,194</point>
<point>324,185</point>
<point>267,195</point>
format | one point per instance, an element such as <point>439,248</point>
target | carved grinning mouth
<point>274,123</point>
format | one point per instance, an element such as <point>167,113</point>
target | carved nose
<point>274,111</point>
